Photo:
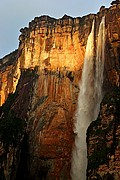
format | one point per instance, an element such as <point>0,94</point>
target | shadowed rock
<point>115,2</point>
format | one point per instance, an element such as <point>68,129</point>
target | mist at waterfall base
<point>89,99</point>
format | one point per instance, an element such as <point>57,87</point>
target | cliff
<point>39,85</point>
<point>103,140</point>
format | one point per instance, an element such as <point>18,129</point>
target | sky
<point>16,14</point>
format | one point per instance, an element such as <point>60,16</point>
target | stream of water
<point>89,99</point>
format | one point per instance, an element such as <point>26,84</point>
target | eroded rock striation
<point>39,85</point>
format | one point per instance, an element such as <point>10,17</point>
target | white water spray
<point>89,100</point>
<point>100,58</point>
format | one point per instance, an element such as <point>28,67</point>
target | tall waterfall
<point>89,100</point>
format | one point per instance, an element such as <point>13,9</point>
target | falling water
<point>89,100</point>
<point>100,58</point>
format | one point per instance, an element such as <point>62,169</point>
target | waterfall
<point>99,64</point>
<point>89,99</point>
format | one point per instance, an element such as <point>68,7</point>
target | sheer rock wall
<point>44,75</point>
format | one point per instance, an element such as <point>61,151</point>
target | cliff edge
<point>39,86</point>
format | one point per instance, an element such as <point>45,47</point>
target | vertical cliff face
<point>103,140</point>
<point>44,74</point>
<point>50,45</point>
<point>9,75</point>
<point>58,52</point>
<point>54,50</point>
<point>103,134</point>
<point>112,53</point>
<point>13,116</point>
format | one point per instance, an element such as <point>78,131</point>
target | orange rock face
<point>53,44</point>
<point>55,49</point>
<point>44,73</point>
<point>58,52</point>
